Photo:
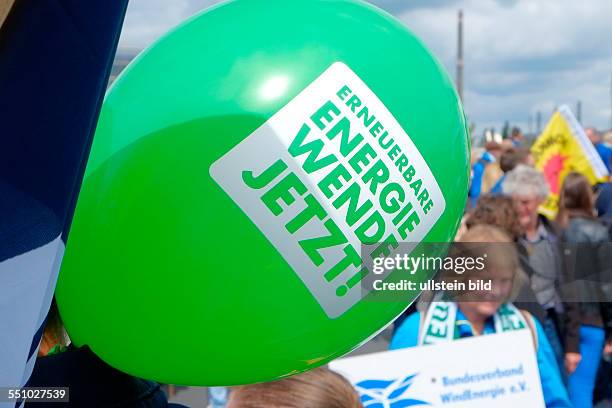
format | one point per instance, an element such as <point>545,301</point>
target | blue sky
<point>521,56</point>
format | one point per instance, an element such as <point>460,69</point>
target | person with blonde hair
<point>318,388</point>
<point>475,313</point>
<point>499,211</point>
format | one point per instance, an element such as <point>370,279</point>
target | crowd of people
<point>566,261</point>
<point>554,278</point>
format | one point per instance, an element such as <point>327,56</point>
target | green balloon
<point>236,166</point>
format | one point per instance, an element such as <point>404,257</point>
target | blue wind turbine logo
<point>387,393</point>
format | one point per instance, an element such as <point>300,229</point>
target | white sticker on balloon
<point>328,171</point>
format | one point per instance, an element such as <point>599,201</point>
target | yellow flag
<point>563,147</point>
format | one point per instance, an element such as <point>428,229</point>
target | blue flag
<point>55,60</point>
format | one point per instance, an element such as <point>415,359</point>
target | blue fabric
<point>25,223</point>
<point>582,381</point>
<point>55,60</point>
<point>550,330</point>
<point>488,157</point>
<point>498,188</point>
<point>477,172</point>
<point>603,204</point>
<point>217,397</point>
<point>56,57</point>
<point>555,394</point>
<point>605,152</point>
<point>407,335</point>
<point>476,184</point>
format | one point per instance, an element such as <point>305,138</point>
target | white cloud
<point>520,56</point>
<point>147,20</point>
<point>527,56</point>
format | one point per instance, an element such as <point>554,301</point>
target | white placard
<point>498,370</point>
<point>336,139</point>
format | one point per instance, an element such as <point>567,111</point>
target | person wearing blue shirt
<point>516,137</point>
<point>477,172</point>
<point>489,313</point>
<point>603,150</point>
<point>489,156</point>
<point>497,188</point>
<point>553,389</point>
<point>509,159</point>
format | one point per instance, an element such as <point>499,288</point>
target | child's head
<point>318,388</point>
<point>495,260</point>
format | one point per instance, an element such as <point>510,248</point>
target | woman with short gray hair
<point>526,180</point>
<point>528,189</point>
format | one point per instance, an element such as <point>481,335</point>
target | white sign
<point>498,370</point>
<point>332,169</point>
